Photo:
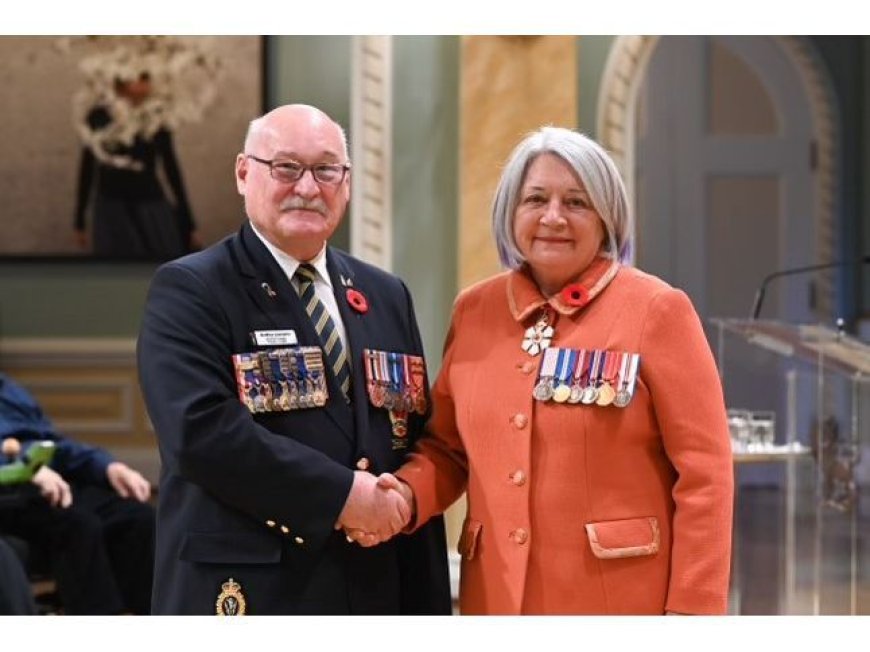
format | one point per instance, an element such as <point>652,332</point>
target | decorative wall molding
<point>371,230</point>
<point>87,386</point>
<point>617,100</point>
<point>67,351</point>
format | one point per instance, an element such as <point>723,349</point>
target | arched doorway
<point>794,85</point>
<point>728,146</point>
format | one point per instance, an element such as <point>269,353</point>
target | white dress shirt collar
<point>289,264</point>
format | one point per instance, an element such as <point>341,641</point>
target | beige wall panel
<point>509,85</point>
<point>87,387</point>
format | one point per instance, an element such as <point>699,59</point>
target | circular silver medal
<point>622,398</point>
<point>543,391</point>
<point>576,393</point>
<point>590,393</point>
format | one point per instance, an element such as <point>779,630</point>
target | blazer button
<point>520,421</point>
<point>527,367</point>
<point>299,540</point>
<point>519,536</point>
<point>518,478</point>
<point>285,529</point>
<point>270,523</point>
<point>363,464</point>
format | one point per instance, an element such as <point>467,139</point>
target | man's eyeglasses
<point>291,171</point>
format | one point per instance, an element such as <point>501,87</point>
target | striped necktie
<point>303,283</point>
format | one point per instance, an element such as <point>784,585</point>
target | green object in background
<point>24,467</point>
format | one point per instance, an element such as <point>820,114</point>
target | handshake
<point>377,508</point>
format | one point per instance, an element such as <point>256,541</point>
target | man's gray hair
<point>595,169</point>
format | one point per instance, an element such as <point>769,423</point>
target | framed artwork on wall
<point>121,148</point>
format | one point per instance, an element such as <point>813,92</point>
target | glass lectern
<point>797,410</point>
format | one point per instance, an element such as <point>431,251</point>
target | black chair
<point>35,560</point>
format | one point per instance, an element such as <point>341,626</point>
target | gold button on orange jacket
<point>623,510</point>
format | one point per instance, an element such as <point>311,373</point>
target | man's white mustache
<point>295,203</point>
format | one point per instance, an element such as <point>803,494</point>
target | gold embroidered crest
<point>231,600</point>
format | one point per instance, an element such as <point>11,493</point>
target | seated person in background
<point>87,511</point>
<point>16,598</point>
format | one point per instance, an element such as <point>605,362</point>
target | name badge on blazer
<point>274,338</point>
<point>280,380</point>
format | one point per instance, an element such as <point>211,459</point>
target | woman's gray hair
<point>595,169</point>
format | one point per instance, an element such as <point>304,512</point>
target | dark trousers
<point>100,550</point>
<point>16,598</point>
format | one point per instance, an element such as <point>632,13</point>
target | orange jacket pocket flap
<point>468,540</point>
<point>630,537</point>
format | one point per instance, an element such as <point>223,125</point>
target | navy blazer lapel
<point>264,280</point>
<point>269,287</point>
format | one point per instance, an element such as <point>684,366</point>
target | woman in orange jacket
<point>579,406</point>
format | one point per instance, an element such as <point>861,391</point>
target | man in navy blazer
<point>265,460</point>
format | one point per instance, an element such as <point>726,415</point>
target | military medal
<point>408,387</point>
<point>538,337</point>
<point>303,385</point>
<point>281,398</point>
<point>606,393</point>
<point>313,361</point>
<point>268,360</point>
<point>543,390</point>
<point>399,421</point>
<point>579,369</point>
<point>394,378</point>
<point>259,394</point>
<point>418,378</point>
<point>231,600</point>
<point>590,392</point>
<point>268,386</point>
<point>280,380</point>
<point>627,380</point>
<point>373,383</point>
<point>564,365</point>
<point>244,380</point>
<point>620,399</point>
<point>290,371</point>
<point>561,393</point>
<point>397,381</point>
<point>384,367</point>
<point>381,375</point>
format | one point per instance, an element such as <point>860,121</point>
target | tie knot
<point>306,272</point>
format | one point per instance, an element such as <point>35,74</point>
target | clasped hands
<point>377,508</point>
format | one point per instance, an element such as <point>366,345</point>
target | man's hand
<point>127,482</point>
<point>386,481</point>
<point>389,481</point>
<point>372,513</point>
<point>52,487</point>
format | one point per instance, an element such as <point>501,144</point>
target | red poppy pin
<point>357,301</point>
<point>575,295</point>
